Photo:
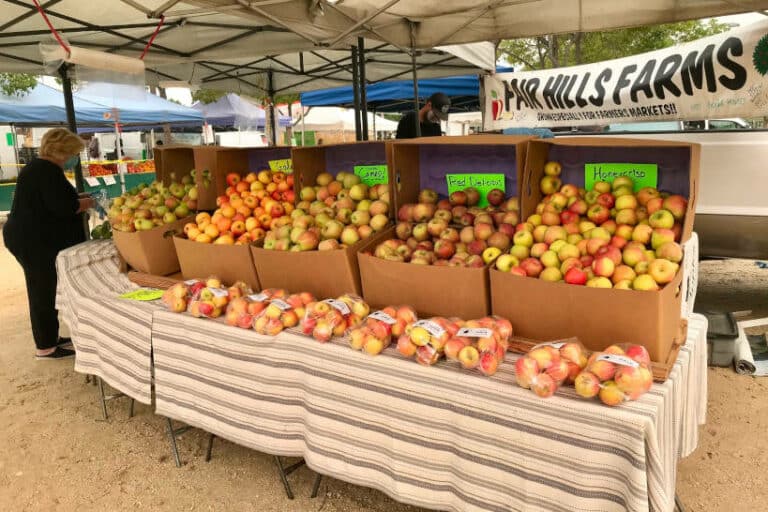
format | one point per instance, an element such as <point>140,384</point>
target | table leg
<point>679,504</point>
<point>316,485</point>
<point>172,433</point>
<point>211,437</point>
<point>104,398</point>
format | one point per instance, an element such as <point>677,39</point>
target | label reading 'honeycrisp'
<point>643,175</point>
<point>431,327</point>
<point>484,183</point>
<point>382,317</point>
<point>475,332</point>
<point>338,305</point>
<point>616,359</point>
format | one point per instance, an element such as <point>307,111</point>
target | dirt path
<point>57,456</point>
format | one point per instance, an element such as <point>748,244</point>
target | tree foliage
<point>207,96</point>
<point>587,47</point>
<point>17,84</point>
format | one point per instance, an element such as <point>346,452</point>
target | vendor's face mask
<point>71,162</point>
<point>432,118</point>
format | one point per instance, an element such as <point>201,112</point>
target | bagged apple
<point>281,314</point>
<point>239,289</point>
<point>617,374</point>
<point>548,365</point>
<point>210,303</point>
<point>242,311</point>
<point>176,297</point>
<point>332,317</point>
<point>426,339</point>
<point>377,330</point>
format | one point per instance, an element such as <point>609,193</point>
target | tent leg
<point>415,81</point>
<point>271,92</point>
<point>356,93</point>
<point>363,94</point>
<point>69,104</point>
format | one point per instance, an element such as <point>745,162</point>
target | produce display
<point>332,214</point>
<point>250,206</point>
<point>148,206</point>
<point>608,237</point>
<point>454,231</point>
<point>333,317</point>
<point>381,328</point>
<point>547,366</point>
<point>282,313</point>
<point>132,167</point>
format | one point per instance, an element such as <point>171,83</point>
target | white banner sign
<point>713,78</point>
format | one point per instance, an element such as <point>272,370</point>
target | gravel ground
<point>58,456</point>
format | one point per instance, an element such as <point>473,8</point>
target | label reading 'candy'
<point>431,327</point>
<point>281,304</point>
<point>382,317</point>
<point>258,297</point>
<point>338,305</point>
<point>475,332</point>
<point>616,359</point>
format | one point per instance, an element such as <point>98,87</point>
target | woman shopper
<point>45,218</point>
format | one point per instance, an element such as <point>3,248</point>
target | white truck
<point>732,207</point>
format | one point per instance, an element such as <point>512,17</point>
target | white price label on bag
<point>339,305</point>
<point>258,297</point>
<point>219,292</point>
<point>431,327</point>
<point>557,345</point>
<point>109,180</point>
<point>616,359</point>
<point>281,304</point>
<point>191,282</point>
<point>475,332</point>
<point>92,182</point>
<point>382,317</point>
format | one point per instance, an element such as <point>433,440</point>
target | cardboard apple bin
<point>229,263</point>
<point>325,274</point>
<point>173,162</point>
<point>599,317</point>
<point>424,163</point>
<point>220,161</point>
<point>151,251</point>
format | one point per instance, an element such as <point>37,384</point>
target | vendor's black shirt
<point>43,218</point>
<point>406,128</point>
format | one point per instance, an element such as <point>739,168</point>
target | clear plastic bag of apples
<point>615,375</point>
<point>381,328</point>
<point>242,311</point>
<point>333,317</point>
<point>282,312</point>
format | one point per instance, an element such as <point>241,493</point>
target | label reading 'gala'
<point>382,317</point>
<point>475,332</point>
<point>431,327</point>
<point>338,305</point>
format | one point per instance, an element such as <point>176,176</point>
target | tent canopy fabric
<point>45,105</point>
<point>397,96</point>
<point>320,119</point>
<point>233,111</point>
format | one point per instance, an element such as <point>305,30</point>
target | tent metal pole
<point>271,92</point>
<point>69,104</point>
<point>375,137</point>
<point>363,93</point>
<point>415,74</point>
<point>356,93</point>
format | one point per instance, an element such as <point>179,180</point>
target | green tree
<point>575,48</point>
<point>206,96</point>
<point>17,84</point>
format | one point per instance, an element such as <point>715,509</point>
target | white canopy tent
<point>320,119</point>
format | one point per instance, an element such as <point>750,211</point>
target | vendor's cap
<point>441,104</point>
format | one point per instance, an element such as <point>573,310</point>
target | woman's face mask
<point>432,118</point>
<point>71,162</point>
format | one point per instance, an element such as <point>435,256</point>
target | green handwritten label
<point>373,174</point>
<point>285,165</point>
<point>643,175</point>
<point>143,294</point>
<point>484,183</point>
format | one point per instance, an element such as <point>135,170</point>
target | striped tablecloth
<point>438,437</point>
<point>113,337</point>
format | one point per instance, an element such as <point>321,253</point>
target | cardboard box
<point>308,162</point>
<point>220,161</point>
<point>325,274</point>
<point>151,251</point>
<point>599,317</point>
<point>173,161</point>
<point>432,291</point>
<point>678,164</point>
<point>425,162</point>
<point>229,263</point>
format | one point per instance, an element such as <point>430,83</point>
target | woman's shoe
<point>59,353</point>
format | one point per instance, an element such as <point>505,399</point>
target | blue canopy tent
<point>44,105</point>
<point>397,96</point>
<point>232,111</point>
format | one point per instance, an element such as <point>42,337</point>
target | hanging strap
<point>50,26</point>
<point>152,39</point>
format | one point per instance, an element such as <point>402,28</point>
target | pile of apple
<point>282,313</point>
<point>454,231</point>
<point>617,374</point>
<point>251,205</point>
<point>203,298</point>
<point>547,366</point>
<point>380,328</point>
<point>480,344</point>
<point>608,237</point>
<point>334,213</point>
<point>333,317</point>
<point>149,206</point>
